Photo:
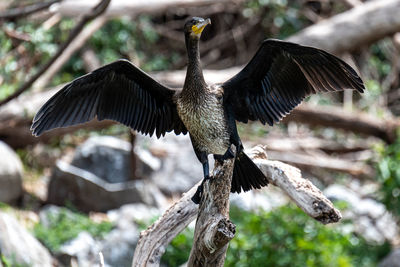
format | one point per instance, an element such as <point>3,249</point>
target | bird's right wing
<point>118,91</point>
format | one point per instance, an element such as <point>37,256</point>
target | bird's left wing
<point>118,91</point>
<point>280,76</point>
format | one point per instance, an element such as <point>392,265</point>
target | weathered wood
<point>336,117</point>
<point>73,8</point>
<point>361,25</point>
<point>152,242</point>
<point>213,229</point>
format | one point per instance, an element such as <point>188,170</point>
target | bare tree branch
<point>213,229</point>
<point>306,196</point>
<point>358,26</point>
<point>96,11</point>
<point>20,12</point>
<point>153,241</point>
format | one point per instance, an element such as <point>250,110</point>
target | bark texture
<point>213,228</point>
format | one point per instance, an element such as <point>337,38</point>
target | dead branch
<point>351,121</point>
<point>73,8</point>
<point>213,229</point>
<point>321,161</point>
<point>90,60</point>
<point>361,25</point>
<point>78,42</point>
<point>306,196</point>
<point>153,241</point>
<point>20,12</point>
<point>94,12</point>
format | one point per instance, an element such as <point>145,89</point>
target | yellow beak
<point>199,27</point>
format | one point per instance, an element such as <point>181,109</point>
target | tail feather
<point>246,175</point>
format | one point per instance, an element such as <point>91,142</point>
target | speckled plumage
<point>205,120</point>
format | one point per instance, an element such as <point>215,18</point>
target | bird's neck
<point>194,81</point>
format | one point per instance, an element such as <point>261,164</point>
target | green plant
<point>388,169</point>
<point>11,262</point>
<point>65,225</point>
<point>284,237</point>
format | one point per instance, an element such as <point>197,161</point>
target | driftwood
<point>213,229</point>
<point>361,25</point>
<point>152,242</point>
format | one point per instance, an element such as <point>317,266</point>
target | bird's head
<point>195,26</point>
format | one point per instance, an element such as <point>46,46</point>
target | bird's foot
<point>199,192</point>
<point>228,155</point>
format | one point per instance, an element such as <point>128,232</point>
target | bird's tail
<point>246,175</point>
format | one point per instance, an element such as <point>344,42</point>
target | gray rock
<point>180,170</point>
<point>84,248</point>
<point>110,159</point>
<point>20,246</point>
<point>370,218</point>
<point>119,245</point>
<point>10,174</point>
<point>391,260</point>
<point>88,192</point>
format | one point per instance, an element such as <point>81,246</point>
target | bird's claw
<point>199,192</point>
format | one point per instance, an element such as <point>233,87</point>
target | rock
<point>391,260</point>
<point>180,170</point>
<point>110,159</point>
<point>88,192</point>
<point>119,245</point>
<point>19,246</point>
<point>10,174</point>
<point>130,213</point>
<point>84,248</point>
<point>256,200</point>
<point>370,218</point>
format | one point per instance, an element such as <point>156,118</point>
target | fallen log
<point>357,27</point>
<point>335,117</point>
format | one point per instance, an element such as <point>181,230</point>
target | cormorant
<point>277,79</point>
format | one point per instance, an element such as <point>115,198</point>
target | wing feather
<point>280,76</point>
<point>118,91</point>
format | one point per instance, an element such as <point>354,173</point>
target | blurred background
<point>73,192</point>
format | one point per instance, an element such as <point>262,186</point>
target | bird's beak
<point>199,27</point>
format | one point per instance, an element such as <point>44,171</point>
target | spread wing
<point>118,91</point>
<point>280,76</point>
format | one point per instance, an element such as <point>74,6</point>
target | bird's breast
<point>205,120</point>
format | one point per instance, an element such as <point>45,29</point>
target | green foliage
<point>11,262</point>
<point>388,169</point>
<point>284,237</point>
<point>178,250</point>
<point>283,15</point>
<point>288,237</point>
<point>66,225</point>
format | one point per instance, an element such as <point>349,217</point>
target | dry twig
<point>96,11</point>
<point>17,13</point>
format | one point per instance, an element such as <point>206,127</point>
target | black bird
<point>277,79</point>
